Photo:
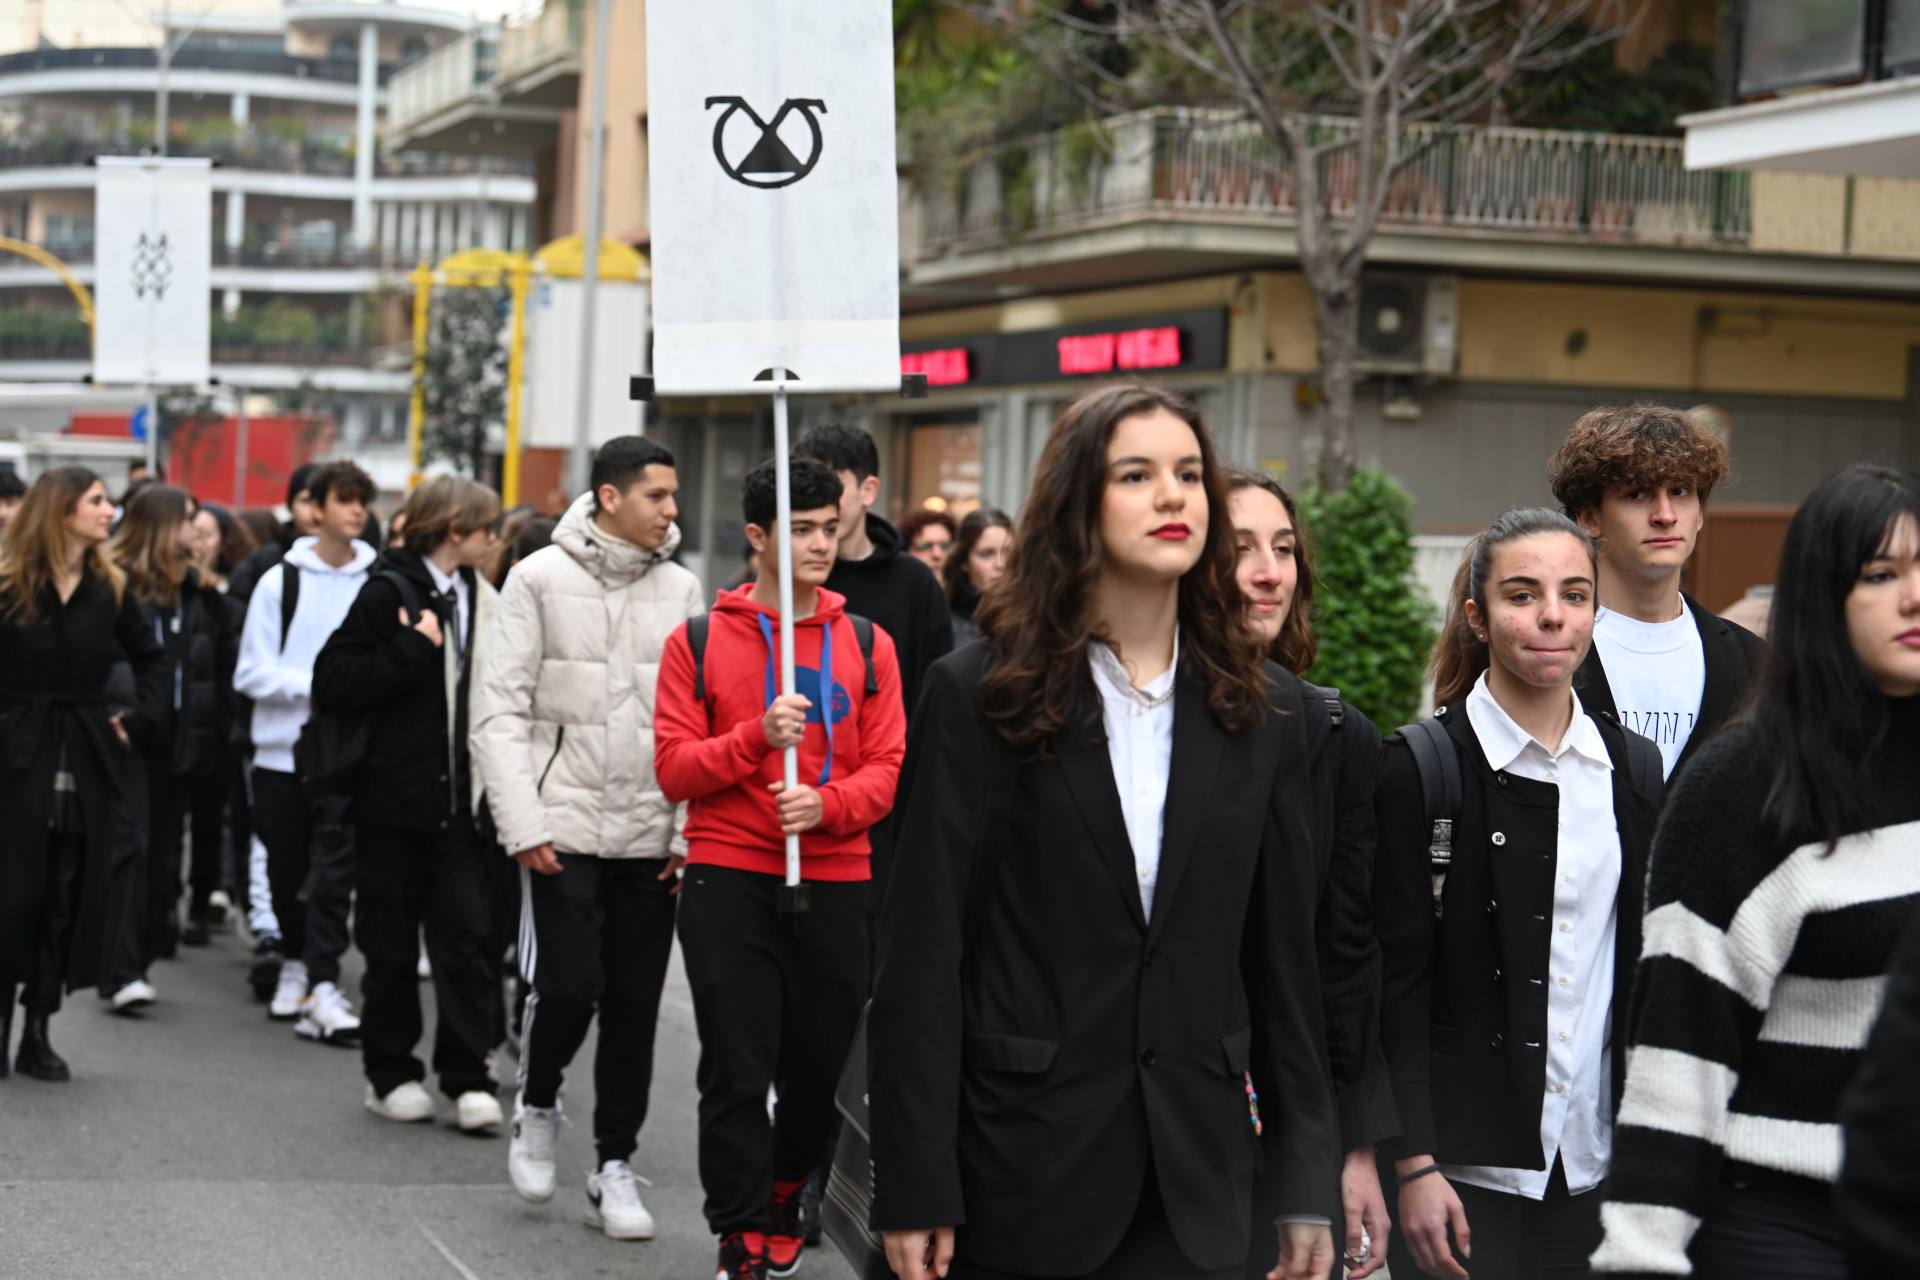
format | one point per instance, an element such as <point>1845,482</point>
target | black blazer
<point>1464,1017</point>
<point>1036,1045</point>
<point>1732,656</point>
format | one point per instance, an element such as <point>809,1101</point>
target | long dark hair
<point>972,528</point>
<point>147,543</point>
<point>1816,712</point>
<point>1039,615</point>
<point>37,540</point>
<point>1460,657</point>
<point>1296,646</point>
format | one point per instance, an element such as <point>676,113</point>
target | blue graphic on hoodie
<point>817,685</point>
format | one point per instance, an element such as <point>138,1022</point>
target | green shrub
<point>1376,629</point>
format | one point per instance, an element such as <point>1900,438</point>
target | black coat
<point>202,651</point>
<point>1464,1013</point>
<point>54,672</point>
<point>1732,656</point>
<point>1880,1179</point>
<point>1035,1045</point>
<point>413,776</point>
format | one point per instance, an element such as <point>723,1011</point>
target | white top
<point>457,584</point>
<point>1139,724</point>
<point>1576,1119</point>
<point>1657,671</point>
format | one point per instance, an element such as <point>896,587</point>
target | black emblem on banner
<point>152,266</point>
<point>771,162</point>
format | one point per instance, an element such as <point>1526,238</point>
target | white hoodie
<point>279,678</point>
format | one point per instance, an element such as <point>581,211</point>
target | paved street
<point>204,1141</point>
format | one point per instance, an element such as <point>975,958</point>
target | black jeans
<point>596,936</point>
<point>166,823</point>
<point>407,880</point>
<point>207,811</point>
<point>309,869</point>
<point>57,890</point>
<point>1769,1227</point>
<point>1514,1238</point>
<point>776,999</point>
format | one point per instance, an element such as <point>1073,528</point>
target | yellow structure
<point>59,268</point>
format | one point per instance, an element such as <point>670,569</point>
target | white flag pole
<point>795,898</point>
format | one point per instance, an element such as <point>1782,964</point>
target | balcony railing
<point>332,70</point>
<point>1463,179</point>
<point>552,36</point>
<point>449,74</point>
<point>261,150</point>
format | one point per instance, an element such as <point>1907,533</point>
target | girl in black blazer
<point>1097,1008</point>
<point>1275,573</point>
<point>1509,927</point>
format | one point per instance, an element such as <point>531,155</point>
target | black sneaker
<point>743,1256</point>
<point>265,973</point>
<point>810,1197</point>
<point>199,932</point>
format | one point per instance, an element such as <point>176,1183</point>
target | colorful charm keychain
<point>1253,1103</point>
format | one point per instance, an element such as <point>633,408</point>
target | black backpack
<point>333,744</point>
<point>1443,790</point>
<point>697,643</point>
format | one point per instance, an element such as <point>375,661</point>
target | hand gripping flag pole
<point>794,898</point>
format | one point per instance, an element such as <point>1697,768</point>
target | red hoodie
<point>716,756</point>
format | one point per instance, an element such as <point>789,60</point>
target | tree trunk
<point>1336,313</point>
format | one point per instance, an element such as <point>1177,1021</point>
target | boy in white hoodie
<point>298,604</point>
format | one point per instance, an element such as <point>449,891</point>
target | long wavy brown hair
<point>38,539</point>
<point>147,543</point>
<point>1040,614</point>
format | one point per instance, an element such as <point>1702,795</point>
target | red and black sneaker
<point>743,1256</point>
<point>785,1241</point>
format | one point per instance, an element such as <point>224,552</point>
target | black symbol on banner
<point>771,163</point>
<point>152,266</point>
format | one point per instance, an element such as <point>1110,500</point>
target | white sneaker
<point>530,1151</point>
<point>613,1203</point>
<point>291,990</point>
<point>408,1103</point>
<point>134,996</point>
<point>326,1016</point>
<point>424,969</point>
<point>477,1112</point>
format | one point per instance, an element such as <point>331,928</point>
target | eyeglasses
<point>924,545</point>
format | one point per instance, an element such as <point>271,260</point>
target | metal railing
<point>449,74</point>
<point>257,149</point>
<point>552,35</point>
<point>189,58</point>
<point>1550,184</point>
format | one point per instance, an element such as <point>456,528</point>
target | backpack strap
<point>1336,709</point>
<point>1442,791</point>
<point>863,635</point>
<point>1646,769</point>
<point>289,599</point>
<point>697,644</point>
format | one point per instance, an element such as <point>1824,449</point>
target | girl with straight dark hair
<point>1275,573</point>
<point>1787,867</point>
<point>978,558</point>
<point>154,548</point>
<point>1097,1001</point>
<point>1509,921</point>
<point>73,835</point>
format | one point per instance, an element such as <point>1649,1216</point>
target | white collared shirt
<point>457,584</point>
<point>1139,724</point>
<point>1576,1119</point>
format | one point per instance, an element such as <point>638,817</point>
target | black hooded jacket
<point>201,636</point>
<point>901,595</point>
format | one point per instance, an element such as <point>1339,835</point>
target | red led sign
<point>1128,349</point>
<point>948,367</point>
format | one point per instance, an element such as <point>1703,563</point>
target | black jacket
<point>1464,1013</point>
<point>201,636</point>
<point>1036,1045</point>
<point>413,778</point>
<point>902,596</point>
<point>53,701</point>
<point>1732,656</point>
<point>1880,1179</point>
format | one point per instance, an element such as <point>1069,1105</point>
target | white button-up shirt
<point>1576,1120</point>
<point>1139,724</point>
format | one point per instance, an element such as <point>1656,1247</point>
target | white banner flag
<point>774,196</point>
<point>153,267</point>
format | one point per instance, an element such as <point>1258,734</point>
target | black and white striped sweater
<point>1759,980</point>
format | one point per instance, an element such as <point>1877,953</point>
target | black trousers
<point>206,812</point>
<point>776,999</point>
<point>309,869</point>
<point>1769,1228</point>
<point>1147,1252</point>
<point>1515,1238</point>
<point>407,880</point>
<point>166,823</point>
<point>55,895</point>
<point>598,936</point>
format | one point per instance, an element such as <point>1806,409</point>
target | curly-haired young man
<point>1638,478</point>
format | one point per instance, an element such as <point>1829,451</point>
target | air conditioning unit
<point>1409,325</point>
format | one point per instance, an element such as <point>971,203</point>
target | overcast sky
<point>128,22</point>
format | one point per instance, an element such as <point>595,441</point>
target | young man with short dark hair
<point>1637,478</point>
<point>776,996</point>
<point>563,724</point>
<point>297,606</point>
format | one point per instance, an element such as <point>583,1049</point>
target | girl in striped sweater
<point>1786,866</point>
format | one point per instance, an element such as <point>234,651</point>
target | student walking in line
<point>298,604</point>
<point>75,829</point>
<point>979,558</point>
<point>1097,1004</point>
<point>776,996</point>
<point>563,723</point>
<point>1786,870</point>
<point>1275,573</point>
<point>220,544</point>
<point>928,536</point>
<point>1637,478</point>
<point>1508,912</point>
<point>404,659</point>
<point>153,547</point>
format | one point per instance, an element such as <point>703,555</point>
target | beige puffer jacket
<point>563,704</point>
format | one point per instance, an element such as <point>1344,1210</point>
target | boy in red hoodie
<point>776,997</point>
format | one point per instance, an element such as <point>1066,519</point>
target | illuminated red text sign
<point>944,368</point>
<point>1129,349</point>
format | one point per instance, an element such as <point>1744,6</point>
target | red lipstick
<point>1175,532</point>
